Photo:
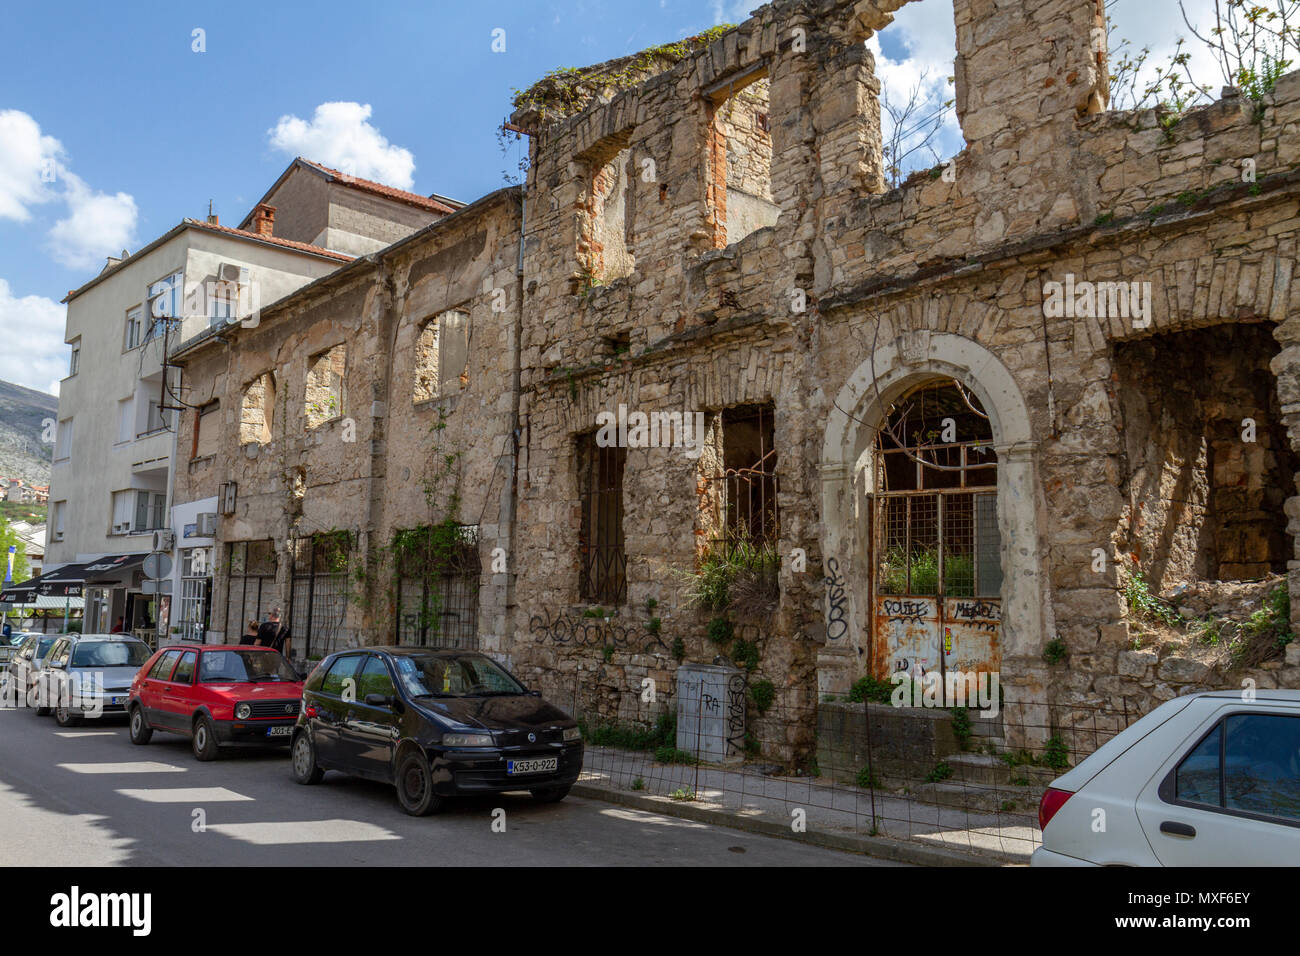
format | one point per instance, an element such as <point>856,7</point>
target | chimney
<point>213,219</point>
<point>263,219</point>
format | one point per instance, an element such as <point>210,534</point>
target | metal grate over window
<point>438,590</point>
<point>602,555</point>
<point>318,596</point>
<point>250,584</point>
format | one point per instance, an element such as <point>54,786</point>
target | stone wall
<point>618,294</point>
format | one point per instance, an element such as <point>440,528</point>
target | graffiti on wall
<point>566,630</point>
<point>837,624</point>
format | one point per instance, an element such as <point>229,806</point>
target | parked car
<point>90,675</point>
<point>9,647</point>
<point>434,723</point>
<point>25,670</point>
<point>1203,780</point>
<point>217,695</point>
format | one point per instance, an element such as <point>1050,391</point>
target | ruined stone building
<point>945,426</point>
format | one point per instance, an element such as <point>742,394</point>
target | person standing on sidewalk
<point>273,634</point>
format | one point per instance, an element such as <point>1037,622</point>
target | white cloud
<point>33,171</point>
<point>25,155</point>
<point>339,135</point>
<point>97,225</point>
<point>33,326</point>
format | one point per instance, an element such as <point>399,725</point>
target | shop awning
<point>113,569</point>
<point>72,579</point>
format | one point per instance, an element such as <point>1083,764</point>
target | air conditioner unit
<point>228,272</point>
<point>207,524</point>
<point>226,497</point>
<point>163,540</point>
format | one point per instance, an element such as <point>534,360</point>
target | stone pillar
<point>1021,64</point>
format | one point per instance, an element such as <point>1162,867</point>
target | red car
<point>218,695</point>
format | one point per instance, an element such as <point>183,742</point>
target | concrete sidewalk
<point>837,815</point>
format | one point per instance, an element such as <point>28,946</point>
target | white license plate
<point>114,701</point>
<point>278,731</point>
<point>533,765</point>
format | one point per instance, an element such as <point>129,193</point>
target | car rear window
<point>110,654</point>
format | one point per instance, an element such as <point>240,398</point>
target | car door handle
<point>1177,829</point>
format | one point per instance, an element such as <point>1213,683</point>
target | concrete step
<point>979,768</point>
<point>981,797</point>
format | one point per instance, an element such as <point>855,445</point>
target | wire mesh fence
<point>958,777</point>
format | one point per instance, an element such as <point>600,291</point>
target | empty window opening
<point>324,400</point>
<point>257,410</point>
<point>1204,500</point>
<point>603,558</point>
<point>738,506</point>
<point>738,160</point>
<point>605,214</point>
<point>442,356</point>
<point>914,61</point>
<point>438,572</point>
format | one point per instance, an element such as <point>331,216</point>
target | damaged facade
<point>891,384</point>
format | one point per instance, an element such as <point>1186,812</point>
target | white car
<point>1204,780</point>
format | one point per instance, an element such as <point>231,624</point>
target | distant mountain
<point>22,453</point>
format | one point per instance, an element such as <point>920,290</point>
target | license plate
<point>114,701</point>
<point>278,731</point>
<point>533,765</point>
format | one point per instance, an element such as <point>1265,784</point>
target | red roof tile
<point>379,189</point>
<point>274,240</point>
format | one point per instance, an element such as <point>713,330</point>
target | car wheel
<point>550,794</point>
<point>66,718</point>
<point>415,785</point>
<point>205,738</point>
<point>141,732</point>
<point>305,768</point>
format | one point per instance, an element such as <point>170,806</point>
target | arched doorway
<point>860,409</point>
<point>933,541</point>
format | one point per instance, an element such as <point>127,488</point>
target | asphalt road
<point>87,797</point>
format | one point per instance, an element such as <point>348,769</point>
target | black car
<point>435,724</point>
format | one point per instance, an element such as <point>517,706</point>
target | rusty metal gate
<point>936,602</point>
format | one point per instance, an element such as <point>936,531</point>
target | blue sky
<point>143,130</point>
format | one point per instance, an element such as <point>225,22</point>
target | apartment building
<point>118,405</point>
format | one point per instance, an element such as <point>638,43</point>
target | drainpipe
<point>512,481</point>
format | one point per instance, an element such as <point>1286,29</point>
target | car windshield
<point>237,665</point>
<point>110,654</point>
<point>453,675</point>
<point>43,646</point>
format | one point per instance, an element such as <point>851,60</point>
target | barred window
<point>318,597</point>
<point>250,584</point>
<point>738,479</point>
<point>438,572</point>
<point>600,542</point>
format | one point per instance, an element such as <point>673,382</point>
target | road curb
<point>883,848</point>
